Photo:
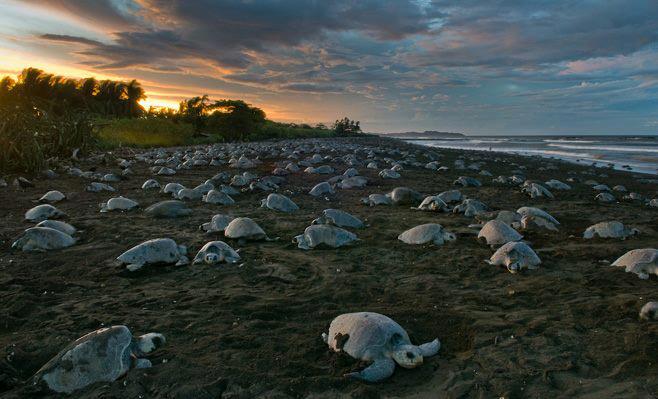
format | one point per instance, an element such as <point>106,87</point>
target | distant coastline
<point>426,135</point>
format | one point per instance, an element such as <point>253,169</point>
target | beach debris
<point>216,252</point>
<point>375,338</point>
<point>157,250</point>
<point>649,311</point>
<point>339,218</point>
<point>642,262</point>
<point>496,232</point>
<point>118,204</point>
<point>43,239</point>
<point>52,197</point>
<point>43,212</point>
<point>279,202</point>
<point>427,233</point>
<point>168,209</point>
<point>103,355</point>
<point>324,235</point>
<point>612,229</point>
<point>515,256</point>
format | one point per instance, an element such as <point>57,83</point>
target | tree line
<point>231,119</point>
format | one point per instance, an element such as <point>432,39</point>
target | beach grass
<point>146,132</point>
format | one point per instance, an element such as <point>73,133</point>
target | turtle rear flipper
<point>380,370</point>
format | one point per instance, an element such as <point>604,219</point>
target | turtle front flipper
<point>380,370</point>
<point>430,348</point>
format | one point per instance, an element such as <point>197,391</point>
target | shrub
<point>144,132</point>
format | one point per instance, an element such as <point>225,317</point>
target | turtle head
<point>148,343</point>
<point>408,356</point>
<point>212,258</point>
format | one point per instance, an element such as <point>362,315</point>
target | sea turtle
<point>216,252</point>
<point>338,218</point>
<point>157,250</point>
<point>433,203</point>
<point>451,196</point>
<point>321,189</point>
<point>188,194</point>
<point>532,211</point>
<point>118,204</point>
<point>168,209</point>
<point>102,355</point>
<point>389,174</point>
<point>508,217</point>
<point>536,190</point>
<point>217,223</point>
<point>470,207</point>
<point>404,196</point>
<point>165,171</point>
<point>425,233</point>
<point>218,197</point>
<point>52,197</point>
<point>613,229</point>
<point>375,338</point>
<point>466,181</point>
<point>557,185</point>
<point>642,262</point>
<point>43,239</point>
<point>96,187</point>
<point>324,234</point>
<point>279,202</point>
<point>244,228</point>
<point>172,188</point>
<point>150,184</point>
<point>352,182</point>
<point>515,256</point>
<point>58,225</point>
<point>376,199</point>
<point>649,311</point>
<point>605,197</point>
<point>43,212</point>
<point>496,232</point>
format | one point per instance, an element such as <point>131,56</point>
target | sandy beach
<point>567,329</point>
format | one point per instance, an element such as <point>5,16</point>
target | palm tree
<point>135,93</point>
<point>112,95</point>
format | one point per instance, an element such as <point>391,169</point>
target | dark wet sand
<point>568,329</point>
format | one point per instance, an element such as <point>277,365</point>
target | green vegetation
<point>43,116</point>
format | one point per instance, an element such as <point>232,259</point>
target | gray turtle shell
<point>218,197</point>
<point>425,233</point>
<point>52,196</point>
<point>321,188</point>
<point>339,218</point>
<point>244,228</point>
<point>366,335</point>
<point>324,234</point>
<point>404,196</point>
<point>642,262</point>
<point>229,255</point>
<point>157,250</point>
<point>496,232</point>
<point>43,212</point>
<point>58,225</point>
<point>168,209</point>
<point>43,239</point>
<point>515,255</point>
<point>531,211</point>
<point>279,202</point>
<point>102,355</point>
<point>612,229</point>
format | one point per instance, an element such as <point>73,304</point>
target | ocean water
<point>638,154</point>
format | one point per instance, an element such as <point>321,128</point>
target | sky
<point>504,67</point>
